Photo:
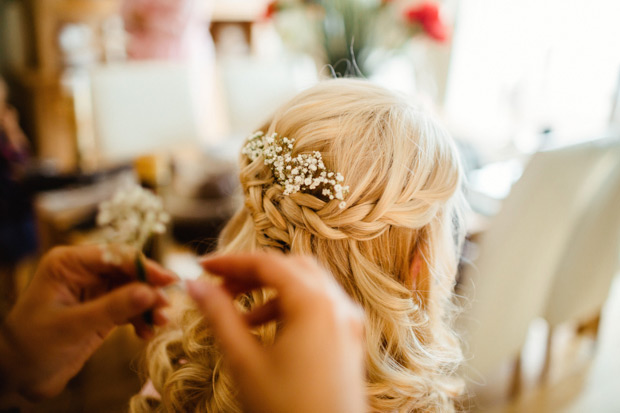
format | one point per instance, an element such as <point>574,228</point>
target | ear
<point>414,270</point>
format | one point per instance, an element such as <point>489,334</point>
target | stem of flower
<point>147,316</point>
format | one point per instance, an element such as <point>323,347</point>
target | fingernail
<point>161,318</point>
<point>209,257</point>
<point>163,296</point>
<point>163,271</point>
<point>142,295</point>
<point>171,274</point>
<point>198,290</point>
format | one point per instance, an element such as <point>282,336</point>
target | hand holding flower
<point>73,302</point>
<point>129,220</point>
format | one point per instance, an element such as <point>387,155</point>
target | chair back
<point>582,280</point>
<point>255,87</point>
<point>521,251</point>
<point>143,107</point>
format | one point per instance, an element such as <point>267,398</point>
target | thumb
<point>240,348</point>
<point>121,304</point>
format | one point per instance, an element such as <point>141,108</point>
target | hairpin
<point>302,173</point>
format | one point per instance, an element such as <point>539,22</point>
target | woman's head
<point>401,166</point>
<point>402,207</point>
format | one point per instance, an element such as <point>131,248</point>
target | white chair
<point>522,250</point>
<point>142,107</point>
<point>254,88</point>
<point>582,280</point>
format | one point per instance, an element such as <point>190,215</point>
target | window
<point>520,67</point>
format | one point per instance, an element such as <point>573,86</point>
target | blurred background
<point>101,93</point>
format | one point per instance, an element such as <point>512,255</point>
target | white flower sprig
<point>304,172</point>
<point>129,219</point>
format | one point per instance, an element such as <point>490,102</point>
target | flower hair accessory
<point>129,219</point>
<point>302,173</point>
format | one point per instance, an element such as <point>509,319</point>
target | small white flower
<point>130,218</point>
<point>304,172</point>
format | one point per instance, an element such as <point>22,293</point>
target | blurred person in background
<point>164,29</point>
<point>17,229</point>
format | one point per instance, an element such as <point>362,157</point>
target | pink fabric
<point>162,29</point>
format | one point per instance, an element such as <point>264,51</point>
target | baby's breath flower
<point>305,172</point>
<point>130,218</point>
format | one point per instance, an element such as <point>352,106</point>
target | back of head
<point>404,202</point>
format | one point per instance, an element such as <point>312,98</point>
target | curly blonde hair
<point>405,201</point>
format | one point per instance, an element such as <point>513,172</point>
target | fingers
<point>145,330</point>
<point>296,279</point>
<point>88,259</point>
<point>141,328</point>
<point>158,275</point>
<point>127,267</point>
<point>250,271</point>
<point>240,348</point>
<point>263,314</point>
<point>124,304</point>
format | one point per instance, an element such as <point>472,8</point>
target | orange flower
<point>272,9</point>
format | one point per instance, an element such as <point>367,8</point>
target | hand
<point>73,302</point>
<point>316,362</point>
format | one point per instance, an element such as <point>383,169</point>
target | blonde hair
<point>405,200</point>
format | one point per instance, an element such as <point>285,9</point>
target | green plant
<point>352,35</point>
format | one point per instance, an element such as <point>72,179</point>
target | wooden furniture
<point>46,103</point>
<point>235,13</point>
<point>46,106</point>
<point>51,15</point>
